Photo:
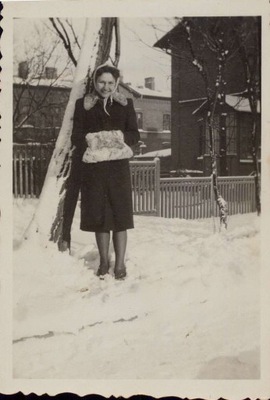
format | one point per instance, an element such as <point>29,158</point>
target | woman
<point>104,127</point>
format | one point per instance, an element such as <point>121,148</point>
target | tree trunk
<point>223,137</point>
<point>47,221</point>
<point>222,204</point>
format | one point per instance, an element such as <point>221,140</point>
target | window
<point>245,126</point>
<point>166,122</point>
<point>231,128</point>
<point>139,120</point>
<point>201,139</point>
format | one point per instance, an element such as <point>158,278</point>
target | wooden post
<point>26,166</point>
<point>15,171</point>
<point>157,186</point>
<point>213,202</point>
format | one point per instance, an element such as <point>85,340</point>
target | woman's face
<point>105,84</point>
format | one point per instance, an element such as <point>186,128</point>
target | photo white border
<point>207,389</point>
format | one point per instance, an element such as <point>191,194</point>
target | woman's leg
<point>103,243</point>
<point>120,244</point>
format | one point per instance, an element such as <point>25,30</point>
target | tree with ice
<point>217,38</point>
<point>47,221</point>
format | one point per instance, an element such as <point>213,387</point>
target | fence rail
<point>188,198</point>
<point>185,197</point>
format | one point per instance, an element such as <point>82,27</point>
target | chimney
<point>23,70</point>
<point>149,83</point>
<point>50,73</point>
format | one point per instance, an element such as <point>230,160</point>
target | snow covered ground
<point>189,308</point>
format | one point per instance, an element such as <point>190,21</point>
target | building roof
<point>237,101</point>
<point>146,92</point>
<point>173,36</point>
<point>240,103</point>
<point>156,153</point>
<point>170,37</point>
<point>57,83</point>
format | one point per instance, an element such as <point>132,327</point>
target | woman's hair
<point>107,69</point>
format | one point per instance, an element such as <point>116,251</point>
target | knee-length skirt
<point>106,196</point>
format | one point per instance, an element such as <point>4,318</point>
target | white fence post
<point>157,185</point>
<point>212,197</point>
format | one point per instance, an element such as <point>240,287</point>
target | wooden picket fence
<point>145,180</point>
<point>192,198</point>
<point>189,198</point>
<point>30,163</point>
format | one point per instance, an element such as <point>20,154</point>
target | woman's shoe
<point>120,274</point>
<point>102,270</point>
<point>63,245</point>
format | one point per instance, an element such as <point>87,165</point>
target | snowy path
<point>189,307</point>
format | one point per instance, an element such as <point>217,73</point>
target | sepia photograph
<point>136,181</point>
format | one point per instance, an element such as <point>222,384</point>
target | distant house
<point>190,140</point>
<point>38,105</point>
<point>153,109</point>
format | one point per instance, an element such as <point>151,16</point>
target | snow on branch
<point>223,210</point>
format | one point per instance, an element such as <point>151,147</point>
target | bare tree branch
<point>73,33</point>
<point>28,97</point>
<point>65,40</point>
<point>156,49</point>
<point>65,32</point>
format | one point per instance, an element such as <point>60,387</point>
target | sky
<point>138,60</point>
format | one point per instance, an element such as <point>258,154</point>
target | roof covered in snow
<point>237,101</point>
<point>146,92</point>
<point>59,83</point>
<point>149,92</point>
<point>240,103</point>
<point>156,153</point>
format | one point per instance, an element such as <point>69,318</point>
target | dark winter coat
<point>94,120</point>
<point>106,202</point>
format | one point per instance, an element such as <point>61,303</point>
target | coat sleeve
<point>78,131</point>
<point>131,133</point>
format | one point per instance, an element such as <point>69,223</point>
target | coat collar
<point>91,99</point>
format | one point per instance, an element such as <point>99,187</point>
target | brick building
<point>38,106</point>
<point>153,109</point>
<point>189,131</point>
